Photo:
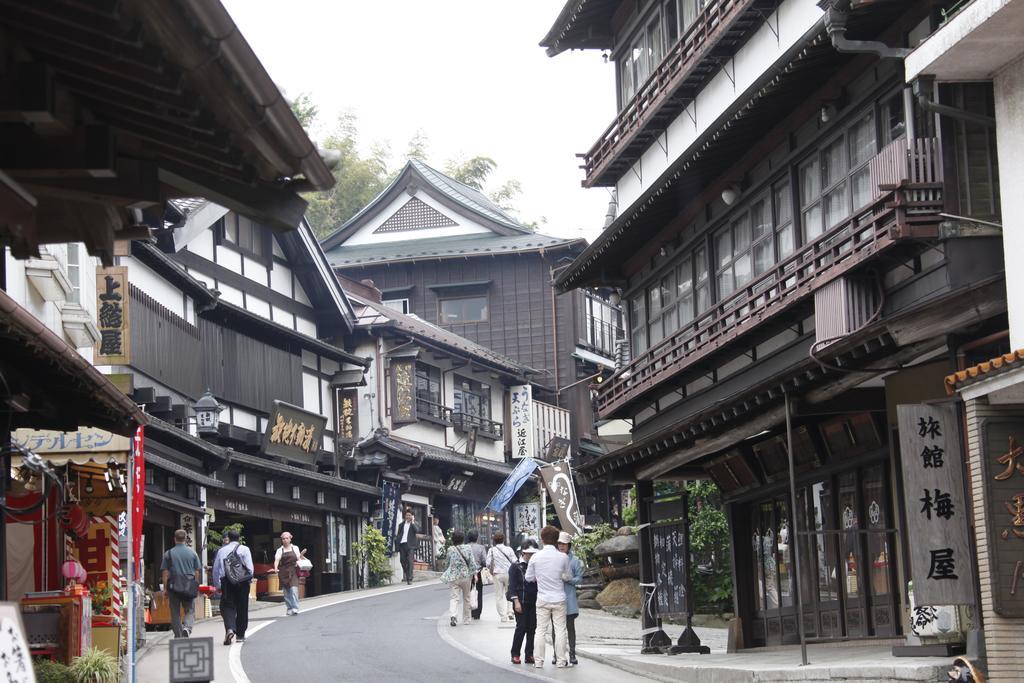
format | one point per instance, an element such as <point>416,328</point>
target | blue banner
<point>507,491</point>
<point>391,504</point>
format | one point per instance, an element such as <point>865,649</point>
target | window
<point>661,312</point>
<point>836,181</point>
<point>472,404</point>
<point>463,310</point>
<point>893,123</point>
<point>248,236</point>
<point>400,305</point>
<point>692,290</point>
<point>75,273</point>
<point>638,323</point>
<point>428,392</point>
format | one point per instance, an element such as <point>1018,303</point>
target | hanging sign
<point>138,498</point>
<point>940,559</point>
<point>294,433</point>
<point>523,445</point>
<point>513,482</point>
<point>347,424</point>
<point>558,479</point>
<point>1003,471</point>
<point>112,316</point>
<point>390,503</point>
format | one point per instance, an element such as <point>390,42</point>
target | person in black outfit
<point>406,539</point>
<point>523,596</point>
<point>480,555</point>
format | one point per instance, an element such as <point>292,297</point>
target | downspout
<point>554,337</point>
<point>836,18</point>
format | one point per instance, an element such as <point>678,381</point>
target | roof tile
<point>975,373</point>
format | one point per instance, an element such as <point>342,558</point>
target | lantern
<point>207,412</point>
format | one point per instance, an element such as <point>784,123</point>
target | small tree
<point>373,551</point>
<point>583,546</point>
<point>216,538</point>
<point>709,546</point>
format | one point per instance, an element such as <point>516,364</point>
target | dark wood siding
<point>164,346</point>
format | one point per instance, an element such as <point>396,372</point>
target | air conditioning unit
<point>842,307</point>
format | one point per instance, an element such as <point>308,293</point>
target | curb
<point>628,667</point>
<point>444,631</point>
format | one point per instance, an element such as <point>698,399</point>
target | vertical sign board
<point>558,479</point>
<point>940,559</point>
<point>669,541</point>
<point>390,503</point>
<point>523,445</point>
<point>1003,471</point>
<point>403,391</point>
<point>347,425</point>
<point>113,348</point>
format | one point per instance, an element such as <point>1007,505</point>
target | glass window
<point>849,520</point>
<point>463,310</point>
<point>893,124</point>
<point>655,45</point>
<point>638,324</point>
<point>400,305</point>
<point>472,400</point>
<point>428,391</point>
<point>671,23</point>
<point>74,273</point>
<point>783,212</point>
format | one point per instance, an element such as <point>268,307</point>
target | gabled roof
<point>581,25</point>
<point>458,246</point>
<point>417,176</point>
<point>373,314</point>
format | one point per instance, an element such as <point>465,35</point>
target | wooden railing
<point>696,44</point>
<point>548,422</point>
<point>463,422</point>
<point>432,411</point>
<point>424,551</point>
<point>904,211</point>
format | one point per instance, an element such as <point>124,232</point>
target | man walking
<point>406,545</point>
<point>179,571</point>
<point>480,555</point>
<point>499,558</point>
<point>547,568</point>
<point>232,574</point>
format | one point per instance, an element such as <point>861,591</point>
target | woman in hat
<point>571,578</point>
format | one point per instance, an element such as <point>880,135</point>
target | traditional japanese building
<point>444,252</point>
<point>797,246</point>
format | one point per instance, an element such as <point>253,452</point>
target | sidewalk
<point>152,660</point>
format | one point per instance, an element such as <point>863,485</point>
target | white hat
<point>564,537</point>
<point>529,550</point>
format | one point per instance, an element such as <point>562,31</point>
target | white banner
<point>523,445</point>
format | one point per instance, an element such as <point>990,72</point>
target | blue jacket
<point>576,578</point>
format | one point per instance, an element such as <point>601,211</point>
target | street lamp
<point>207,412</point>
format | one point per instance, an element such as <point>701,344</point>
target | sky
<point>468,73</point>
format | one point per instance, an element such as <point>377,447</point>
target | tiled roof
<point>470,462</point>
<point>961,378</point>
<point>373,314</point>
<point>441,247</point>
<point>467,196</point>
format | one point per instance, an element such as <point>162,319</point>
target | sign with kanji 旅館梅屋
<point>294,433</point>
<point>1002,455</point>
<point>113,347</point>
<point>937,521</point>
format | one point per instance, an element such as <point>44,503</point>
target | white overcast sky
<point>469,73</point>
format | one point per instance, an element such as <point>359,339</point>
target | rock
<point>621,571</point>
<point>618,545</point>
<point>624,531</point>
<point>589,604</point>
<point>587,595</point>
<point>623,611</point>
<point>621,592</point>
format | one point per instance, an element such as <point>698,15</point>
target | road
<point>391,637</point>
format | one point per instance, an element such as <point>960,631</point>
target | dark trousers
<point>479,609</point>
<point>234,607</point>
<point>526,625</point>
<point>405,557</point>
<point>570,630</point>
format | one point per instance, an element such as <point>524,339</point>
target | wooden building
<point>793,244</point>
<point>444,252</point>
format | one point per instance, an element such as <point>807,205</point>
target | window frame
<point>74,271</point>
<point>229,234</point>
<point>441,300</point>
<point>404,301</point>
<point>435,410</point>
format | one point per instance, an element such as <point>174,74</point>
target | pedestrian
<point>523,595</point>
<point>232,575</point>
<point>286,564</point>
<point>480,556</point>
<point>572,578</point>
<point>459,576</point>
<point>179,571</point>
<point>407,532</point>
<point>499,558</point>
<point>439,541</point>
<point>546,569</point>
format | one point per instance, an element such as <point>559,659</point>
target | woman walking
<point>572,578</point>
<point>459,576</point>
<point>499,558</point>
<point>286,562</point>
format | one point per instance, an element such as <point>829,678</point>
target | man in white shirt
<point>406,545</point>
<point>234,602</point>
<point>499,558</point>
<point>547,569</point>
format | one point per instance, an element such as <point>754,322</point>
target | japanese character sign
<point>347,420</point>
<point>112,316</point>
<point>558,479</point>
<point>403,391</point>
<point>941,564</point>
<point>15,658</point>
<point>294,433</point>
<point>521,418</point>
<point>1003,476</point>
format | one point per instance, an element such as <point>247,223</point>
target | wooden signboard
<point>294,433</point>
<point>1003,469</point>
<point>937,515</point>
<point>521,419</point>
<point>403,391</point>
<point>113,348</point>
<point>347,419</point>
<point>670,570</point>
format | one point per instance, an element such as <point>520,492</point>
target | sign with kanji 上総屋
<point>521,419</point>
<point>558,479</point>
<point>932,464</point>
<point>113,347</point>
<point>294,433</point>
<point>1002,455</point>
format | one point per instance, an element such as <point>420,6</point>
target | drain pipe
<point>924,91</point>
<point>836,18</point>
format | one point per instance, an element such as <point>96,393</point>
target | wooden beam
<point>135,185</point>
<point>87,153</point>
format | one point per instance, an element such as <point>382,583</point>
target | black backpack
<point>235,570</point>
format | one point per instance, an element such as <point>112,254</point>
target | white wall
<point>1009,101</point>
<point>763,49</point>
<point>166,294</point>
<point>365,234</point>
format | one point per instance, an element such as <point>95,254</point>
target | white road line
<point>235,656</point>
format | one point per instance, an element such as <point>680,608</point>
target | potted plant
<point>96,666</point>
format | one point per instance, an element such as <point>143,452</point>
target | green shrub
<point>583,546</point>
<point>373,550</point>
<point>49,671</point>
<point>95,666</point>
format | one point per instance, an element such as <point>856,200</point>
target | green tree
<point>709,547</point>
<point>373,550</point>
<point>306,111</point>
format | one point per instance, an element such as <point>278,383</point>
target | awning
<point>174,504</point>
<point>61,459</point>
<point>181,471</point>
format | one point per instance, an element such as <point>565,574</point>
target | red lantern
<point>75,520</point>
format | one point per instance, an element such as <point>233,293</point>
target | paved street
<point>393,637</point>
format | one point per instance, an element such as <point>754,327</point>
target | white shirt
<point>546,568</point>
<point>500,557</point>
<point>405,532</point>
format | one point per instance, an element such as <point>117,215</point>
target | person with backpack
<point>232,574</point>
<point>179,571</point>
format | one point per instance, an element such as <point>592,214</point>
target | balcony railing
<point>696,45</point>
<point>548,422</point>
<point>601,327</point>
<point>433,412</point>
<point>907,210</point>
<point>463,422</point>
<point>424,551</point>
